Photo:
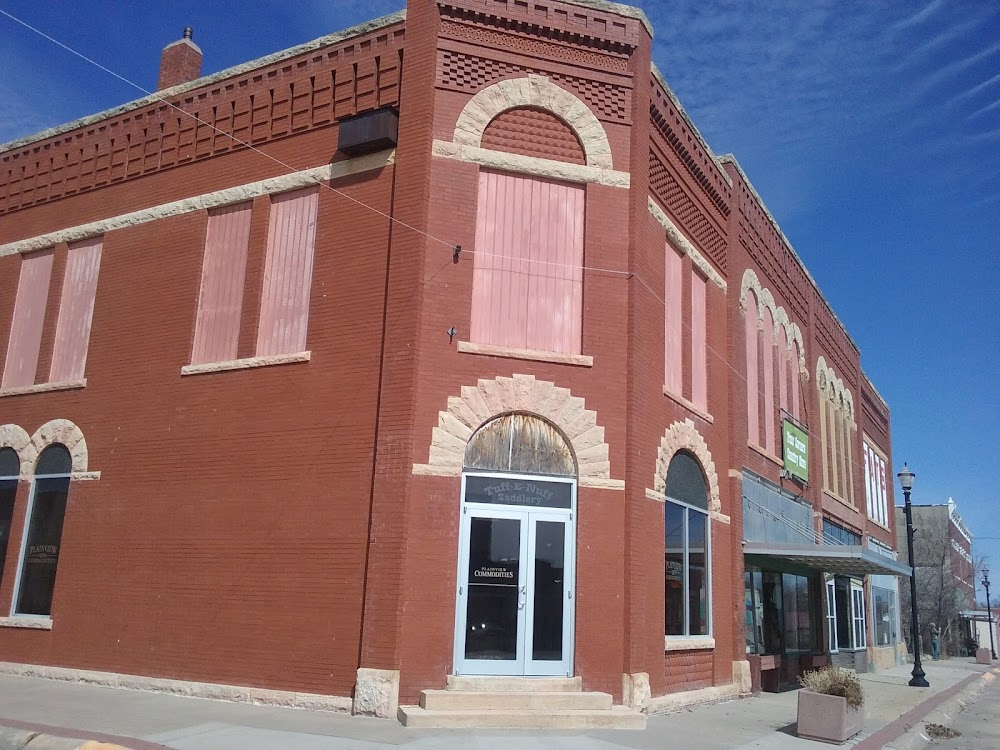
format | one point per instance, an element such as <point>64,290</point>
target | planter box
<point>984,656</point>
<point>827,718</point>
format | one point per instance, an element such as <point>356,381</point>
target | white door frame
<point>523,664</point>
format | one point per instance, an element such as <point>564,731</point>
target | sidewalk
<point>145,721</point>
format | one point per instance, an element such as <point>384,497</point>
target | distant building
<point>942,548</point>
<point>439,348</point>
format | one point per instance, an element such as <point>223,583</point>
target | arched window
<point>522,444</point>
<point>10,468</point>
<point>687,549</point>
<point>46,511</point>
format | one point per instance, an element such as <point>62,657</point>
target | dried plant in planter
<point>835,681</point>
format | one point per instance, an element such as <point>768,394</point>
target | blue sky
<point>871,129</point>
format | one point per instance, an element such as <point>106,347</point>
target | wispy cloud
<point>920,16</point>
<point>984,110</point>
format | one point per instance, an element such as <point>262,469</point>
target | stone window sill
<point>23,621</point>
<point>66,385</point>
<point>841,500</point>
<point>688,405</point>
<point>684,643</point>
<point>579,360</point>
<point>766,454</point>
<point>246,363</point>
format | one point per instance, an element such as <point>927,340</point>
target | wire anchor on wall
<point>455,252</point>
<point>452,332</point>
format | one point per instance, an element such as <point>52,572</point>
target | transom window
<point>687,553</point>
<point>522,444</point>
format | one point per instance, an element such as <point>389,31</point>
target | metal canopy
<point>829,558</point>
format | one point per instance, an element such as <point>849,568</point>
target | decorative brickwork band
<point>521,393</point>
<point>540,93</point>
<point>781,320</point>
<point>685,436</point>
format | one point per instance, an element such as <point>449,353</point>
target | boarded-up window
<point>284,304</point>
<point>29,315</point>
<point>699,341</point>
<point>220,303</point>
<point>76,311</point>
<point>527,290</point>
<point>673,334</point>
<point>520,443</point>
<point>753,414</point>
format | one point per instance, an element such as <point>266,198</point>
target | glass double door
<point>514,613</point>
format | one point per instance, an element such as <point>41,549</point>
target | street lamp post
<point>989,612</point>
<point>918,678</point>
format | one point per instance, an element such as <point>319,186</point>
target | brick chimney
<point>180,63</point>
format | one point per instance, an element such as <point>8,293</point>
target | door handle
<point>522,597</point>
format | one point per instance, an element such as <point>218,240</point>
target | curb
<point>19,735</point>
<point>23,739</point>
<point>906,732</point>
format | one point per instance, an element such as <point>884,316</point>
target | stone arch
<point>16,437</point>
<point>521,393</point>
<point>684,436</point>
<point>540,93</point>
<point>833,388</point>
<point>765,301</point>
<point>56,431</point>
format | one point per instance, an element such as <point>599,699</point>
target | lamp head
<point>906,478</point>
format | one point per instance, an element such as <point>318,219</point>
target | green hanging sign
<point>795,448</point>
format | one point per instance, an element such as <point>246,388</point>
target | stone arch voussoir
<point>56,431</point>
<point>538,92</point>
<point>478,404</point>
<point>16,437</point>
<point>685,436</point>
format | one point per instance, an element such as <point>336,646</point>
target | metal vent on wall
<point>368,132</point>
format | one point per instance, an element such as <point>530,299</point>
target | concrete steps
<point>618,717</point>
<point>518,703</point>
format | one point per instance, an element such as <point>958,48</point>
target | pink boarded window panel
<point>767,356</point>
<point>673,336</point>
<point>29,315</point>
<point>220,303</point>
<point>76,311</point>
<point>753,415</point>
<point>284,303</point>
<point>527,289</point>
<point>699,341</point>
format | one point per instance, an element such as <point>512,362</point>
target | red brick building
<point>305,407</point>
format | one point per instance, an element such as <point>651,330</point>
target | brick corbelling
<point>608,25</point>
<point>219,115</point>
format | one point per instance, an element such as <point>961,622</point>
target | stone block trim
<point>676,238</point>
<point>56,431</point>
<point>833,388</point>
<point>376,693</point>
<point>685,436</point>
<point>522,393</point>
<point>537,92</point>
<point>636,692</point>
<point>765,301</point>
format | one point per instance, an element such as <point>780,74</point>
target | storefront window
<point>754,615</point>
<point>858,602</point>
<point>798,620</point>
<point>686,549</point>
<point>834,534</point>
<point>884,601</point>
<point>831,615</point>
